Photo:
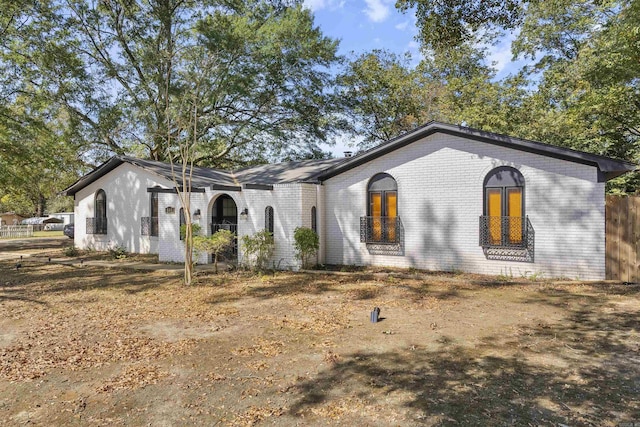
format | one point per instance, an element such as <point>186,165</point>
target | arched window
<point>100,210</point>
<point>268,219</point>
<point>183,221</point>
<point>504,208</point>
<point>382,209</point>
<point>314,219</point>
<point>154,214</point>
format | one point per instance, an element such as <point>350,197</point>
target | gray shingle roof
<point>280,173</point>
<point>320,170</point>
<point>202,177</point>
<point>608,167</point>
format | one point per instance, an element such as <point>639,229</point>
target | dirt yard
<point>84,345</point>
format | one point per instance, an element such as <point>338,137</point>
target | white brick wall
<point>127,202</point>
<point>287,208</point>
<point>308,200</point>
<point>440,197</point>
<point>171,248</point>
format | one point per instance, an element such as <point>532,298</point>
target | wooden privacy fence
<point>7,231</point>
<point>622,215</point>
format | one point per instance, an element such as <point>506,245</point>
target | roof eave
<point>609,167</point>
<point>93,176</point>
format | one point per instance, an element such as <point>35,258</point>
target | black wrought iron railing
<point>224,226</point>
<point>505,232</point>
<point>149,225</point>
<point>380,229</point>
<point>96,225</point>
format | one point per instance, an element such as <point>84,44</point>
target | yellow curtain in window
<point>376,213</point>
<point>494,211</point>
<point>514,209</point>
<point>392,213</point>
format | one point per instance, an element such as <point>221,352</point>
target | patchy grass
<point>86,345</point>
<point>43,233</point>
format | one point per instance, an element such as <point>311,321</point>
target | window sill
<point>519,246</point>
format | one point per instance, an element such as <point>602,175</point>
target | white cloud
<point>499,55</point>
<point>315,5</point>
<point>402,26</point>
<point>377,10</point>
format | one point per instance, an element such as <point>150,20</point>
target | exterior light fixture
<point>244,214</point>
<point>196,214</point>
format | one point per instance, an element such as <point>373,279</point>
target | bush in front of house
<point>71,251</point>
<point>214,244</point>
<point>306,244</point>
<point>195,230</point>
<point>117,251</point>
<point>258,248</point>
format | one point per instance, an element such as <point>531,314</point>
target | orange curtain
<point>514,211</point>
<point>376,213</point>
<point>392,213</point>
<point>494,211</point>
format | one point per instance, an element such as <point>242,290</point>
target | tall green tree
<point>267,85</point>
<point>382,96</point>
<point>581,89</point>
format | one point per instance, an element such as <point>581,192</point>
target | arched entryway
<point>224,216</point>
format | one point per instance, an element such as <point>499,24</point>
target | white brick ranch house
<point>441,197</point>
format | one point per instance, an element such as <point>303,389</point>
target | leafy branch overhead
<point>81,80</point>
<point>579,90</point>
<point>106,63</point>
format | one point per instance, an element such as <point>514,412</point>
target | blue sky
<point>364,25</point>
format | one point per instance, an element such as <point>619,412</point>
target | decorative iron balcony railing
<point>96,225</point>
<point>149,226</point>
<point>380,229</point>
<point>505,232</point>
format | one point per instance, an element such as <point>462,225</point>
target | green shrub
<point>306,244</point>
<point>215,244</point>
<point>117,251</point>
<point>258,248</point>
<point>71,251</point>
<point>195,230</point>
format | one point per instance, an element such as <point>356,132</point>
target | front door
<point>224,216</point>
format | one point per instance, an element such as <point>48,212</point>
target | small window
<point>314,220</point>
<point>268,219</point>
<point>99,223</point>
<point>504,223</point>
<point>182,222</point>
<point>154,214</point>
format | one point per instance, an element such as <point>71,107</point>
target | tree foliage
<point>581,89</point>
<point>446,24</point>
<point>115,65</point>
<point>382,96</point>
<point>97,78</point>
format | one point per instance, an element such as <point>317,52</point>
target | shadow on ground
<point>582,371</point>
